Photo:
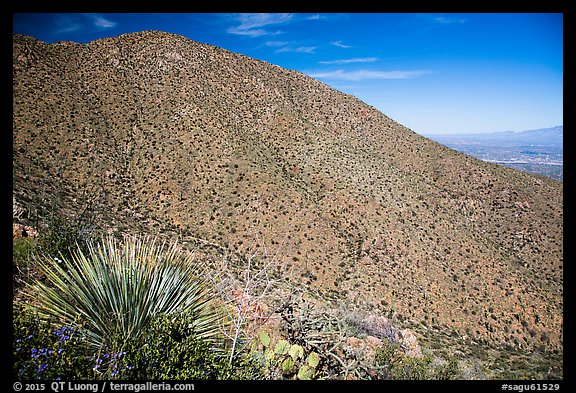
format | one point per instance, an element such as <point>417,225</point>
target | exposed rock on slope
<point>167,134</point>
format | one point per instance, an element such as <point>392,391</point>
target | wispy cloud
<point>297,49</point>
<point>437,20</point>
<point>70,28</point>
<point>276,43</point>
<point>252,25</point>
<point>289,46</point>
<point>76,22</point>
<point>445,20</point>
<point>353,60</point>
<point>360,75</point>
<point>67,24</point>
<point>103,22</point>
<point>340,44</point>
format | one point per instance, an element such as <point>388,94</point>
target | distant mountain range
<point>548,136</point>
<point>537,151</point>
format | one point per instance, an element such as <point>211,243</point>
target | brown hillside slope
<point>171,134</point>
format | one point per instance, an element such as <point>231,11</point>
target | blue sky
<point>434,73</point>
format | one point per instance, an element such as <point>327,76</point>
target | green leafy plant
<point>60,236</point>
<point>118,287</point>
<point>22,251</point>
<point>285,360</point>
<point>169,348</point>
<point>23,268</point>
<point>42,350</point>
<point>396,365</point>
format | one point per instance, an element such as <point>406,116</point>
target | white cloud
<point>347,61</point>
<point>443,20</point>
<point>340,44</point>
<point>70,28</point>
<point>67,24</point>
<point>298,49</point>
<point>276,43</point>
<point>360,75</point>
<point>289,46</point>
<point>72,23</point>
<point>252,24</point>
<point>251,32</point>
<point>102,22</point>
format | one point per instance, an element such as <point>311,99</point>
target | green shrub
<point>23,250</point>
<point>395,365</point>
<point>169,348</point>
<point>23,268</point>
<point>56,236</point>
<point>117,288</point>
<point>61,236</point>
<point>43,350</point>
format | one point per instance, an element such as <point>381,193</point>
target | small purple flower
<point>64,333</point>
<point>42,367</point>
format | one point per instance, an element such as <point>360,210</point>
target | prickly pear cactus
<point>286,360</point>
<point>305,372</point>
<point>282,347</point>
<point>296,352</point>
<point>313,360</point>
<point>264,338</point>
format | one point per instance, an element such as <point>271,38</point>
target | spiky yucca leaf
<point>116,288</point>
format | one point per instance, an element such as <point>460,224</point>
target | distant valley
<point>536,151</point>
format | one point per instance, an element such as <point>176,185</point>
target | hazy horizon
<point>490,132</point>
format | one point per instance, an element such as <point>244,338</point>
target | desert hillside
<point>164,135</point>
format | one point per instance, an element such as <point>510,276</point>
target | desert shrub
<point>57,236</point>
<point>169,348</point>
<point>394,365</point>
<point>117,287</point>
<point>44,350</point>
<point>60,236</point>
<point>23,251</point>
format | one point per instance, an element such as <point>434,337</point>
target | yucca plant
<point>117,287</point>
